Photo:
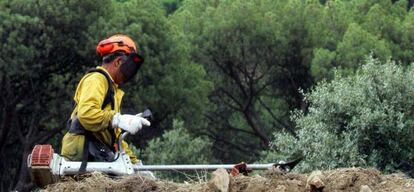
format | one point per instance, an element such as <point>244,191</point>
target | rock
<point>365,188</point>
<point>220,180</point>
<point>315,181</point>
<point>281,188</point>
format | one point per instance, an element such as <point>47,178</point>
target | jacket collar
<point>112,80</point>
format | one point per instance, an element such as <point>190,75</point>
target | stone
<point>315,181</point>
<point>220,180</point>
<point>365,188</point>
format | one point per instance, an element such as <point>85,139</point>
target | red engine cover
<point>42,155</point>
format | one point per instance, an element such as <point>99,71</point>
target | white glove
<point>129,123</point>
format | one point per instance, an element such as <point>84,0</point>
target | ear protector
<point>107,46</point>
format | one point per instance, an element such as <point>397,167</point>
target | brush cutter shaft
<point>198,167</point>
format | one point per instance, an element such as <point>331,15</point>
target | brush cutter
<point>47,167</point>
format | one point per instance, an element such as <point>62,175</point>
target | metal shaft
<point>198,167</point>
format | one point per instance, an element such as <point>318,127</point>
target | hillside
<point>346,179</point>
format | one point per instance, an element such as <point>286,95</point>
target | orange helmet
<point>116,43</point>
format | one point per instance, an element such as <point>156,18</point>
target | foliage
<point>177,146</point>
<point>259,63</point>
<point>247,60</point>
<point>344,32</point>
<point>356,44</point>
<point>41,55</point>
<point>365,119</point>
<point>171,5</point>
<point>230,70</point>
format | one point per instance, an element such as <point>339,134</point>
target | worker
<point>96,121</point>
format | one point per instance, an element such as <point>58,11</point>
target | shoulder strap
<point>109,97</point>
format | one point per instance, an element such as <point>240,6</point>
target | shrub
<point>365,119</point>
<point>177,146</point>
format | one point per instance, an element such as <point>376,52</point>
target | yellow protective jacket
<point>89,97</point>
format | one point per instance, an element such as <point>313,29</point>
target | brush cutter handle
<point>147,114</point>
<point>121,138</point>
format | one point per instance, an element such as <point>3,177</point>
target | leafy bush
<point>365,119</point>
<point>177,146</point>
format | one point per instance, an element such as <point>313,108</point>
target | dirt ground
<point>340,180</point>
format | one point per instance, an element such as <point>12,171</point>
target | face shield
<point>130,66</point>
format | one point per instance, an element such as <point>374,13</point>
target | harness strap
<point>109,98</point>
<point>85,155</point>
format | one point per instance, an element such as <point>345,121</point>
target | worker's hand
<point>129,123</point>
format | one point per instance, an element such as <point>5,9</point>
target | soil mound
<point>346,179</point>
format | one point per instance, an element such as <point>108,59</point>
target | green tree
<point>406,52</point>
<point>364,119</point>
<point>41,55</point>
<point>356,44</point>
<point>171,5</point>
<point>346,31</point>
<point>322,63</point>
<point>257,64</point>
<point>177,146</point>
<point>283,46</point>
